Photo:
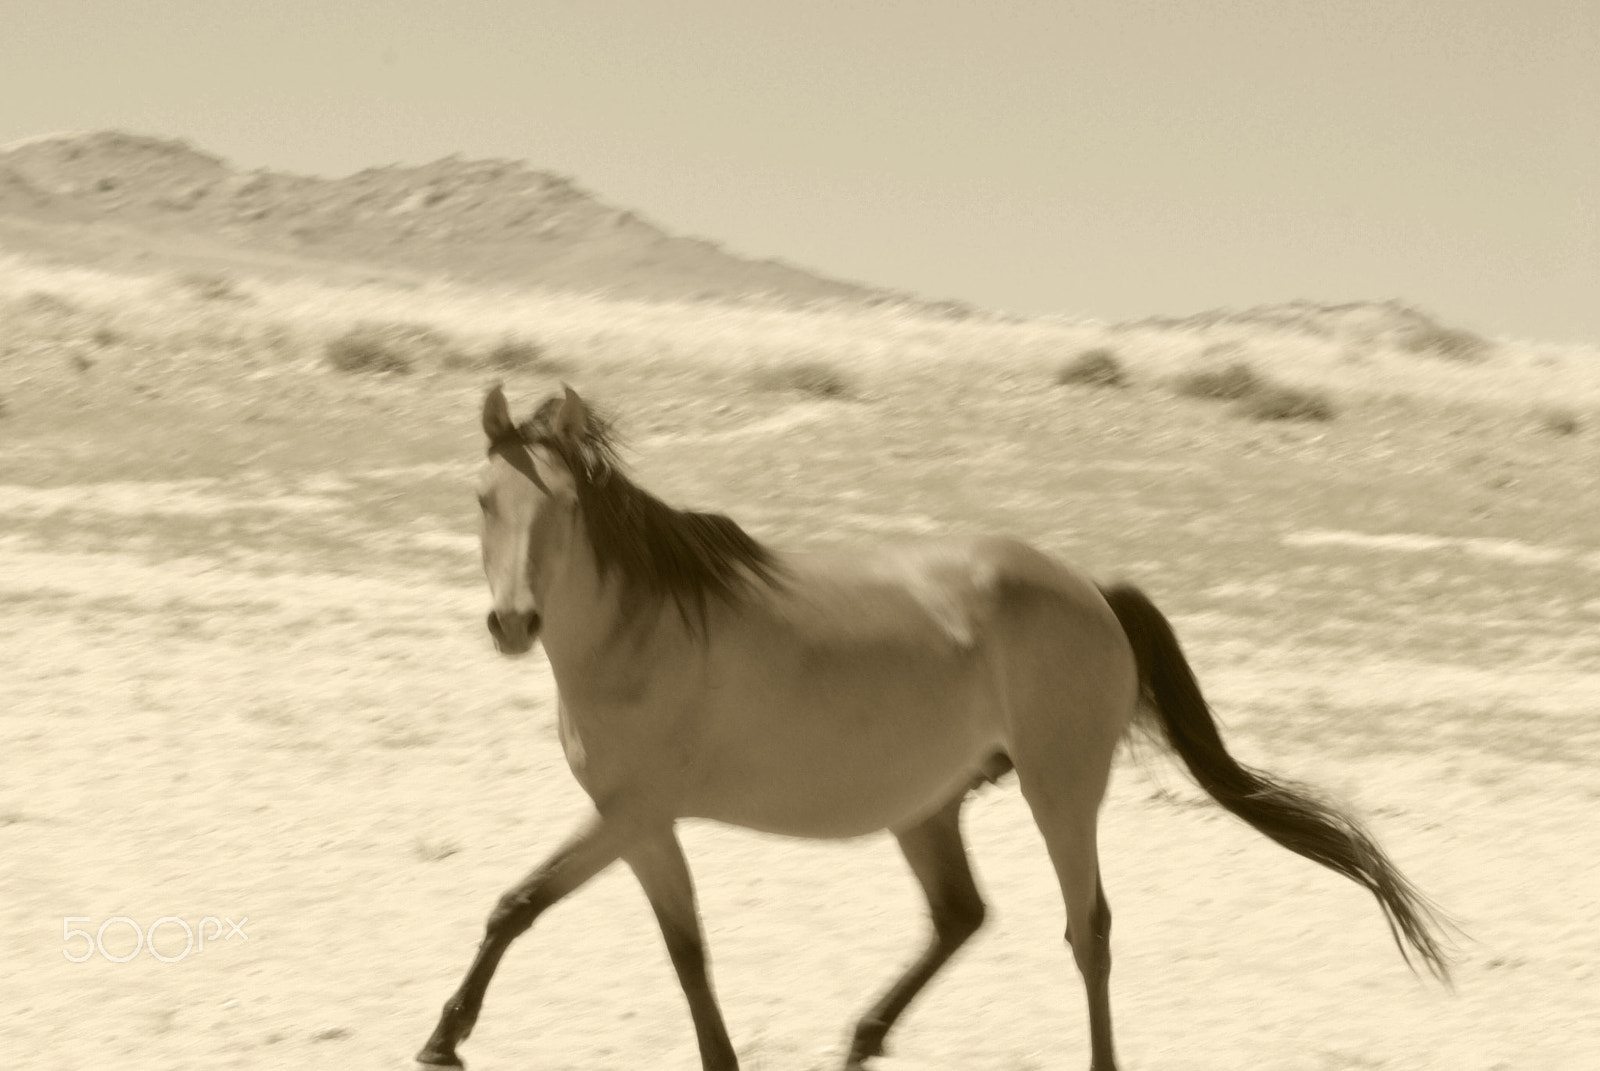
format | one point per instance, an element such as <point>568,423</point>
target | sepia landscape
<point>244,673</point>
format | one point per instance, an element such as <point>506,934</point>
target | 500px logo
<point>146,938</point>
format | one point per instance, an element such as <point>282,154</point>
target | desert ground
<point>243,675</point>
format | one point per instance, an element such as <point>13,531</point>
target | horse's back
<point>866,688</point>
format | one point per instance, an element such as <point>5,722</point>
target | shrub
<point>1274,401</point>
<point>1450,343</point>
<point>1098,367</point>
<point>44,304</point>
<point>521,355</point>
<point>1559,421</point>
<point>211,286</point>
<point>816,378</point>
<point>1228,383</point>
<point>386,348</point>
<point>365,352</point>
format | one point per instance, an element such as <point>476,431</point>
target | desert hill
<point>120,201</point>
<point>137,205</point>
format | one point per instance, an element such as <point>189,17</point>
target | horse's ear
<point>572,419</point>
<point>497,423</point>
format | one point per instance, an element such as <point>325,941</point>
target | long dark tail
<point>1290,814</point>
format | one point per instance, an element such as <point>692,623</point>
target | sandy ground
<point>243,676</point>
<point>343,762</point>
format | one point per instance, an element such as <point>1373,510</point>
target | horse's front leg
<point>593,849</point>
<point>658,863</point>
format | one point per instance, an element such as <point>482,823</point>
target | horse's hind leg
<point>592,850</point>
<point>659,865</point>
<point>1067,813</point>
<point>938,858</point>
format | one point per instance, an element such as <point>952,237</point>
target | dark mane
<point>657,551</point>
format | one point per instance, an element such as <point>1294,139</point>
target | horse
<point>703,674</point>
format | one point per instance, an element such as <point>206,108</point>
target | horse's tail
<point>1288,813</point>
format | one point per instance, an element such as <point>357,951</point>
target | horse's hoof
<point>428,1060</point>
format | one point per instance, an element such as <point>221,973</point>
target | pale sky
<point>1111,158</point>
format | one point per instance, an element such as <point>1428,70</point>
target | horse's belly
<point>842,776</point>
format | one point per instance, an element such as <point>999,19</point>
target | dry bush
<point>210,286</point>
<point>1275,401</point>
<point>514,354</point>
<point>1253,394</point>
<point>1228,383</point>
<point>364,351</point>
<point>1450,343</point>
<point>43,304</point>
<point>816,378</point>
<point>1096,367</point>
<point>388,348</point>
<point>1558,420</point>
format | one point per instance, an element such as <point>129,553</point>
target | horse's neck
<point>578,609</point>
<point>592,650</point>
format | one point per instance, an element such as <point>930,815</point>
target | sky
<point>1112,159</point>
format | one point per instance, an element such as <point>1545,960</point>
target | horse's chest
<point>622,751</point>
<point>572,743</point>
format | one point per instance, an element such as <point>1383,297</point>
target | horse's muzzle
<point>514,631</point>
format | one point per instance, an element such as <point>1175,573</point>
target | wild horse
<point>702,674</point>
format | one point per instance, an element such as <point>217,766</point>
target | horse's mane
<point>656,551</point>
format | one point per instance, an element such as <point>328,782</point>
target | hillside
<point>123,202</point>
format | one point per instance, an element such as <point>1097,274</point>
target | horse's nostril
<point>513,626</point>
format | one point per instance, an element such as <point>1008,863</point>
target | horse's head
<point>528,503</point>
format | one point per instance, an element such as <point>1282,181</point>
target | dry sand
<point>341,760</point>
